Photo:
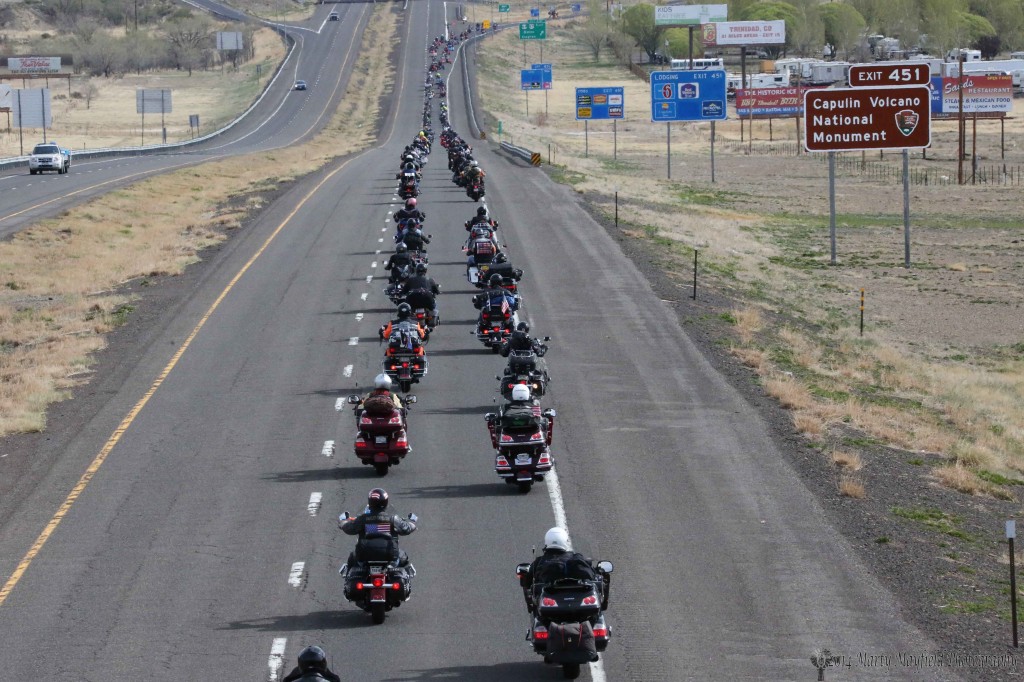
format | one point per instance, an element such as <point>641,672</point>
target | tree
<point>679,43</point>
<point>638,23</point>
<point>901,19</point>
<point>188,39</point>
<point>1007,17</point>
<point>594,33</point>
<point>989,46</point>
<point>807,35</point>
<point>774,10</point>
<point>844,26</point>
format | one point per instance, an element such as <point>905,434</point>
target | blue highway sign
<point>687,96</point>
<point>599,103</point>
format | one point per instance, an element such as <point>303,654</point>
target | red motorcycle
<point>382,440</point>
<point>475,191</point>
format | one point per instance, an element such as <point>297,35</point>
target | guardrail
<point>522,152</point>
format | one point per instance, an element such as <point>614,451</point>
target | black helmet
<point>482,211</point>
<point>523,327</point>
<point>404,311</point>
<point>494,281</point>
<point>377,500</point>
<point>313,658</point>
<point>401,248</point>
<point>421,268</point>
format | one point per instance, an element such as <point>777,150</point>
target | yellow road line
<point>115,437</point>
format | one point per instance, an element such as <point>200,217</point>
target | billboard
<point>31,108</point>
<point>689,15</point>
<point>982,94</point>
<point>781,102</point>
<point>688,96</point>
<point>153,102</point>
<point>744,33</point>
<point>858,119</point>
<point>600,103</point>
<point>33,64</point>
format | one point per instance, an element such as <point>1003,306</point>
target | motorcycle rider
<point>481,218</point>
<point>374,524</point>
<point>414,238</point>
<point>495,292</point>
<point>557,561</point>
<point>420,290</point>
<point>403,314</point>
<point>312,665</point>
<point>410,212</point>
<point>381,396</point>
<point>521,340</point>
<point>399,261</point>
<point>474,174</point>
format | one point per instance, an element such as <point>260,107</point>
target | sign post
<point>861,119</point>
<point>600,104</point>
<point>546,80</point>
<point>687,96</point>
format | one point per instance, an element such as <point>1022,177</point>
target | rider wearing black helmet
<point>481,218</point>
<point>399,261</point>
<point>495,292</point>
<point>420,289</point>
<point>402,317</point>
<point>376,523</point>
<point>521,340</point>
<point>312,666</point>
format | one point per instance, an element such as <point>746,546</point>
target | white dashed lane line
<point>373,265</point>
<point>359,317</point>
<point>369,278</point>
<point>339,404</point>
<point>363,296</point>
<point>276,661</point>
<point>328,449</point>
<point>353,341</point>
<point>347,371</point>
<point>314,503</point>
<point>295,575</point>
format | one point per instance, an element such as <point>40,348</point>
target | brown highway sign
<point>889,75</point>
<point>855,119</point>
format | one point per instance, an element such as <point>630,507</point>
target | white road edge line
<point>276,661</point>
<point>328,449</point>
<point>558,506</point>
<point>295,575</point>
<point>314,503</point>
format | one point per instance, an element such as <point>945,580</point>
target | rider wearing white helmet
<point>557,561</point>
<point>380,398</point>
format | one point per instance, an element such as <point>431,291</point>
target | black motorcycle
<point>569,627</point>
<point>377,583</point>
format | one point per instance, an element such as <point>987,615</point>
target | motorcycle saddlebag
<point>571,643</point>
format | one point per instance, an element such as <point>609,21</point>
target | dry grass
<point>850,486</point>
<point>60,275</point>
<point>755,358</point>
<point>847,461</point>
<point>809,423</point>
<point>748,322</point>
<point>790,393</point>
<point>961,478</point>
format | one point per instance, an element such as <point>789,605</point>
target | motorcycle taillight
<point>378,582</point>
<point>548,601</point>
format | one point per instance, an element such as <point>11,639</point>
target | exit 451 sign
<point>888,75</point>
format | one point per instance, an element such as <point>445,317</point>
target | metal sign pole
<point>42,108</point>
<point>586,139</point>
<point>527,103</point>
<point>712,151</point>
<point>832,205</point>
<point>906,208</point>
<point>668,143</point>
<point>615,141</point>
<point>545,102</point>
<point>21,116</point>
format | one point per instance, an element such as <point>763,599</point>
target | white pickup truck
<point>49,156</point>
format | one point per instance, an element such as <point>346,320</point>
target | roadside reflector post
<point>1011,533</point>
<point>694,274</point>
<point>862,311</point>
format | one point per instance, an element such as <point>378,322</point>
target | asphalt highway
<point>324,55</point>
<point>205,544</point>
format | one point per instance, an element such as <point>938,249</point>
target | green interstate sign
<point>504,8</point>
<point>533,30</point>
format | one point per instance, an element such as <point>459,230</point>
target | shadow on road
<point>512,671</point>
<point>457,491</point>
<point>317,620</point>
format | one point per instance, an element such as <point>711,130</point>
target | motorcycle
<point>378,584</point>
<point>522,446</point>
<point>569,627</point>
<point>408,188</point>
<point>475,191</point>
<point>496,324</point>
<point>382,440</point>
<point>428,318</point>
<point>522,369</point>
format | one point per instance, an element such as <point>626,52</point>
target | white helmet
<point>382,381</point>
<point>474,164</point>
<point>521,392</point>
<point>557,538</point>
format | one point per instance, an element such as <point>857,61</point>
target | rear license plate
<point>523,459</point>
<point>381,440</point>
<point>377,594</point>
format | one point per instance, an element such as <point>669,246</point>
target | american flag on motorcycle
<point>383,528</point>
<point>504,305</point>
